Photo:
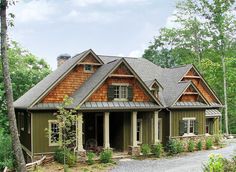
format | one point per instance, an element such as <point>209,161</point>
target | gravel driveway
<point>190,162</point>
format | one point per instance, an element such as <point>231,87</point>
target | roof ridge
<point>180,66</point>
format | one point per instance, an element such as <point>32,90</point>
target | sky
<point>48,28</point>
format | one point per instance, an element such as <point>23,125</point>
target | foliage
<point>175,146</point>
<point>191,146</point>
<point>230,165</point>
<point>214,164</point>
<point>218,139</point>
<point>6,154</point>
<point>70,157</point>
<point>105,156</point>
<point>199,145</point>
<point>90,156</point>
<point>209,143</point>
<point>26,71</point>
<point>157,149</point>
<point>203,36</point>
<point>145,149</point>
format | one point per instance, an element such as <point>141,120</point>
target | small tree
<point>66,118</point>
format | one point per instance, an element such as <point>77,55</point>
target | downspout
<point>170,134</point>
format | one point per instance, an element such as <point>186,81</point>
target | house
<point>124,102</point>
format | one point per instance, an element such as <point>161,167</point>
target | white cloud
<point>33,10</point>
<point>84,3</point>
<point>91,16</point>
<point>136,53</point>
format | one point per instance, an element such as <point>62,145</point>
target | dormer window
<point>155,91</point>
<point>88,68</point>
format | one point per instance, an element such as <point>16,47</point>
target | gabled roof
<point>92,84</point>
<point>151,82</point>
<point>206,103</point>
<point>204,81</point>
<point>34,94</point>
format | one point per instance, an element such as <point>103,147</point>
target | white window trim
<point>22,121</point>
<point>160,125</point>
<point>49,134</point>
<point>141,131</point>
<point>88,71</point>
<point>188,128</point>
<point>121,84</point>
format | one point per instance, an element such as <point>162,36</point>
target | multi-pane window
<point>22,121</point>
<point>54,133</point>
<point>139,130</point>
<point>88,68</point>
<point>120,92</point>
<point>189,125</point>
<point>28,124</point>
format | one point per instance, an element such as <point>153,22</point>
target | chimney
<point>62,58</point>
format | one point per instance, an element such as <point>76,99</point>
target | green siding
<point>164,115</point>
<point>216,126</point>
<point>177,115</point>
<point>40,138</point>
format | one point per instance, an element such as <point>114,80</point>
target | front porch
<point>119,131</point>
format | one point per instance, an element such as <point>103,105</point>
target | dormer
<point>155,87</point>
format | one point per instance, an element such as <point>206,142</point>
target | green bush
<point>191,146</point>
<point>157,150</point>
<point>105,156</point>
<point>145,149</point>
<point>199,145</point>
<point>217,139</point>
<point>174,147</point>
<point>90,156</point>
<point>209,143</point>
<point>6,153</point>
<point>70,157</point>
<point>214,164</point>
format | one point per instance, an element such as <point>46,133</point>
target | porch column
<point>80,132</point>
<point>106,139</point>
<point>155,121</point>
<point>134,129</point>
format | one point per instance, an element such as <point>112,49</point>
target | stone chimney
<point>62,58</point>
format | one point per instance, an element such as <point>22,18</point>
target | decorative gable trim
<point>122,60</point>
<point>95,56</point>
<point>153,82</point>
<point>64,75</point>
<point>204,81</point>
<point>182,93</point>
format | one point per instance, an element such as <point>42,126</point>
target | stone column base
<point>134,150</point>
<point>82,155</point>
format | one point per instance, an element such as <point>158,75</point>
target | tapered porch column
<point>106,139</point>
<point>155,133</point>
<point>80,132</point>
<point>134,129</point>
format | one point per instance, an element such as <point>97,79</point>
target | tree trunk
<point>225,94</point>
<point>9,94</point>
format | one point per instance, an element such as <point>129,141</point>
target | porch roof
<point>101,106</point>
<point>119,105</point>
<point>213,113</point>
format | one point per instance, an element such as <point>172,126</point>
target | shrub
<point>191,146</point>
<point>214,164</point>
<point>105,156</point>
<point>209,143</point>
<point>145,149</point>
<point>157,150</point>
<point>217,139</point>
<point>90,156</point>
<point>229,165</point>
<point>70,158</point>
<point>6,153</point>
<point>175,146</point>
<point>199,145</point>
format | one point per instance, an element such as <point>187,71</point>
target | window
<point>28,124</point>
<point>155,91</point>
<point>88,68</point>
<point>139,130</point>
<point>208,126</point>
<point>22,121</point>
<point>54,133</point>
<point>120,92</point>
<point>189,125</point>
<point>160,129</point>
